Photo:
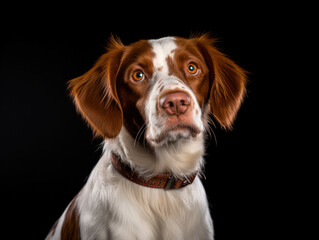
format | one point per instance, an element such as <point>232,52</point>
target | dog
<point>151,102</point>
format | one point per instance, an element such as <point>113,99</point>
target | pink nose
<point>175,103</point>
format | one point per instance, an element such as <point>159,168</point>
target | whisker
<point>142,132</point>
<point>215,138</point>
<point>139,133</point>
<point>144,143</point>
<point>209,129</point>
<point>211,121</point>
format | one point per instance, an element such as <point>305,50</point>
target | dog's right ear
<point>95,93</point>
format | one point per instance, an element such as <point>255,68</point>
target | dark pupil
<point>191,68</point>
<point>139,75</point>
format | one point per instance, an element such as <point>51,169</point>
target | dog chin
<point>174,134</point>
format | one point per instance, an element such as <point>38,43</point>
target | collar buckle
<point>170,184</point>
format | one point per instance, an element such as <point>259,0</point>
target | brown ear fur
<point>228,82</point>
<point>95,93</point>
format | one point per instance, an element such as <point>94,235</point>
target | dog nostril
<point>175,103</point>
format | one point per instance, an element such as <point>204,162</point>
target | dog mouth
<point>175,133</point>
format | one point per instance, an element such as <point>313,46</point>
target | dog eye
<point>138,76</point>
<point>192,69</point>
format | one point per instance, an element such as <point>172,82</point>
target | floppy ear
<point>228,82</point>
<point>95,94</point>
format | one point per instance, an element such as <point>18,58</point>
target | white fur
<point>112,207</point>
<point>163,48</point>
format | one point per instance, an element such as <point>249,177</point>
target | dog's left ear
<point>228,82</point>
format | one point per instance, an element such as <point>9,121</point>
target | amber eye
<point>192,69</point>
<point>138,76</point>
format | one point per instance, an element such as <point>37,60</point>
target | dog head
<point>160,90</point>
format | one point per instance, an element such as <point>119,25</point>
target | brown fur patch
<point>184,54</point>
<point>132,94</point>
<point>220,81</point>
<point>71,228</point>
<point>227,79</point>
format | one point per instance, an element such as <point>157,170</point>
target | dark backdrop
<point>47,151</point>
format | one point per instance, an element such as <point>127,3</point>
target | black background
<point>47,151</point>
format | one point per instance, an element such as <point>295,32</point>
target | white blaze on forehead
<point>162,48</point>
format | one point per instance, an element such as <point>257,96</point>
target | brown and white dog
<point>151,102</point>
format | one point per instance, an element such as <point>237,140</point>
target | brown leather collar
<point>165,181</point>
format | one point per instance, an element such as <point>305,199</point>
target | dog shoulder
<point>67,226</point>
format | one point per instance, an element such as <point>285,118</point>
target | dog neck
<point>164,181</point>
<point>180,159</point>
